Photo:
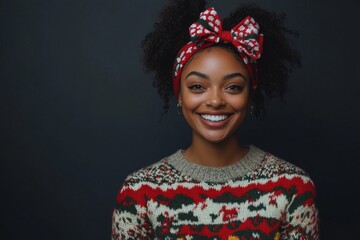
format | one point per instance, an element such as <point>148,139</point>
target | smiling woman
<point>217,188</point>
<point>214,98</point>
<point>215,84</point>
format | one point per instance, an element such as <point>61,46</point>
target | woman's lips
<point>215,120</point>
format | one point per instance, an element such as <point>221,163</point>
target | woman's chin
<point>217,138</point>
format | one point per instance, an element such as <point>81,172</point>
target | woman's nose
<point>215,99</point>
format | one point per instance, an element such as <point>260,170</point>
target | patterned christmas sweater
<point>259,197</point>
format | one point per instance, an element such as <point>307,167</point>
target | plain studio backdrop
<point>78,113</point>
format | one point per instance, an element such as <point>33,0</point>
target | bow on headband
<point>208,30</point>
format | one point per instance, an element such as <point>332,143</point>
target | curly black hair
<point>279,58</point>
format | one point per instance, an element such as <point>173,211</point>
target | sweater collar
<point>246,164</point>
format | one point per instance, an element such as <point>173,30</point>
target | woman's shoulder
<point>160,172</point>
<point>277,168</point>
<point>274,163</point>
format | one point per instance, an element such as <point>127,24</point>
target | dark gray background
<point>78,114</point>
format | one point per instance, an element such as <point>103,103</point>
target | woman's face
<point>214,94</point>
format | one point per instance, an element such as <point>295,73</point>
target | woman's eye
<point>196,87</point>
<point>235,88</point>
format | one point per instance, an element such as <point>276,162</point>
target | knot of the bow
<point>226,36</point>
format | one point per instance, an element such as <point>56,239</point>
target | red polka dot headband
<point>208,31</point>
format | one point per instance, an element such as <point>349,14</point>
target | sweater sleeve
<point>302,220</point>
<point>130,220</point>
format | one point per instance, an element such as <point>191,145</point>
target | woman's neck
<point>212,154</point>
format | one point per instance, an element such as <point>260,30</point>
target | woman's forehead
<point>215,58</point>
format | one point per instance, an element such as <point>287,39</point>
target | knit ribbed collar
<point>246,164</point>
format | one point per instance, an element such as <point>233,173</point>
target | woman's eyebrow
<point>226,77</point>
<point>233,75</point>
<point>197,74</point>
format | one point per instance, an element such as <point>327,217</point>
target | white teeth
<point>214,118</point>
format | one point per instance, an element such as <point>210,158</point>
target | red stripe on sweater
<point>197,192</point>
<point>224,231</point>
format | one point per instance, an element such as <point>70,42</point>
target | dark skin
<point>214,96</point>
